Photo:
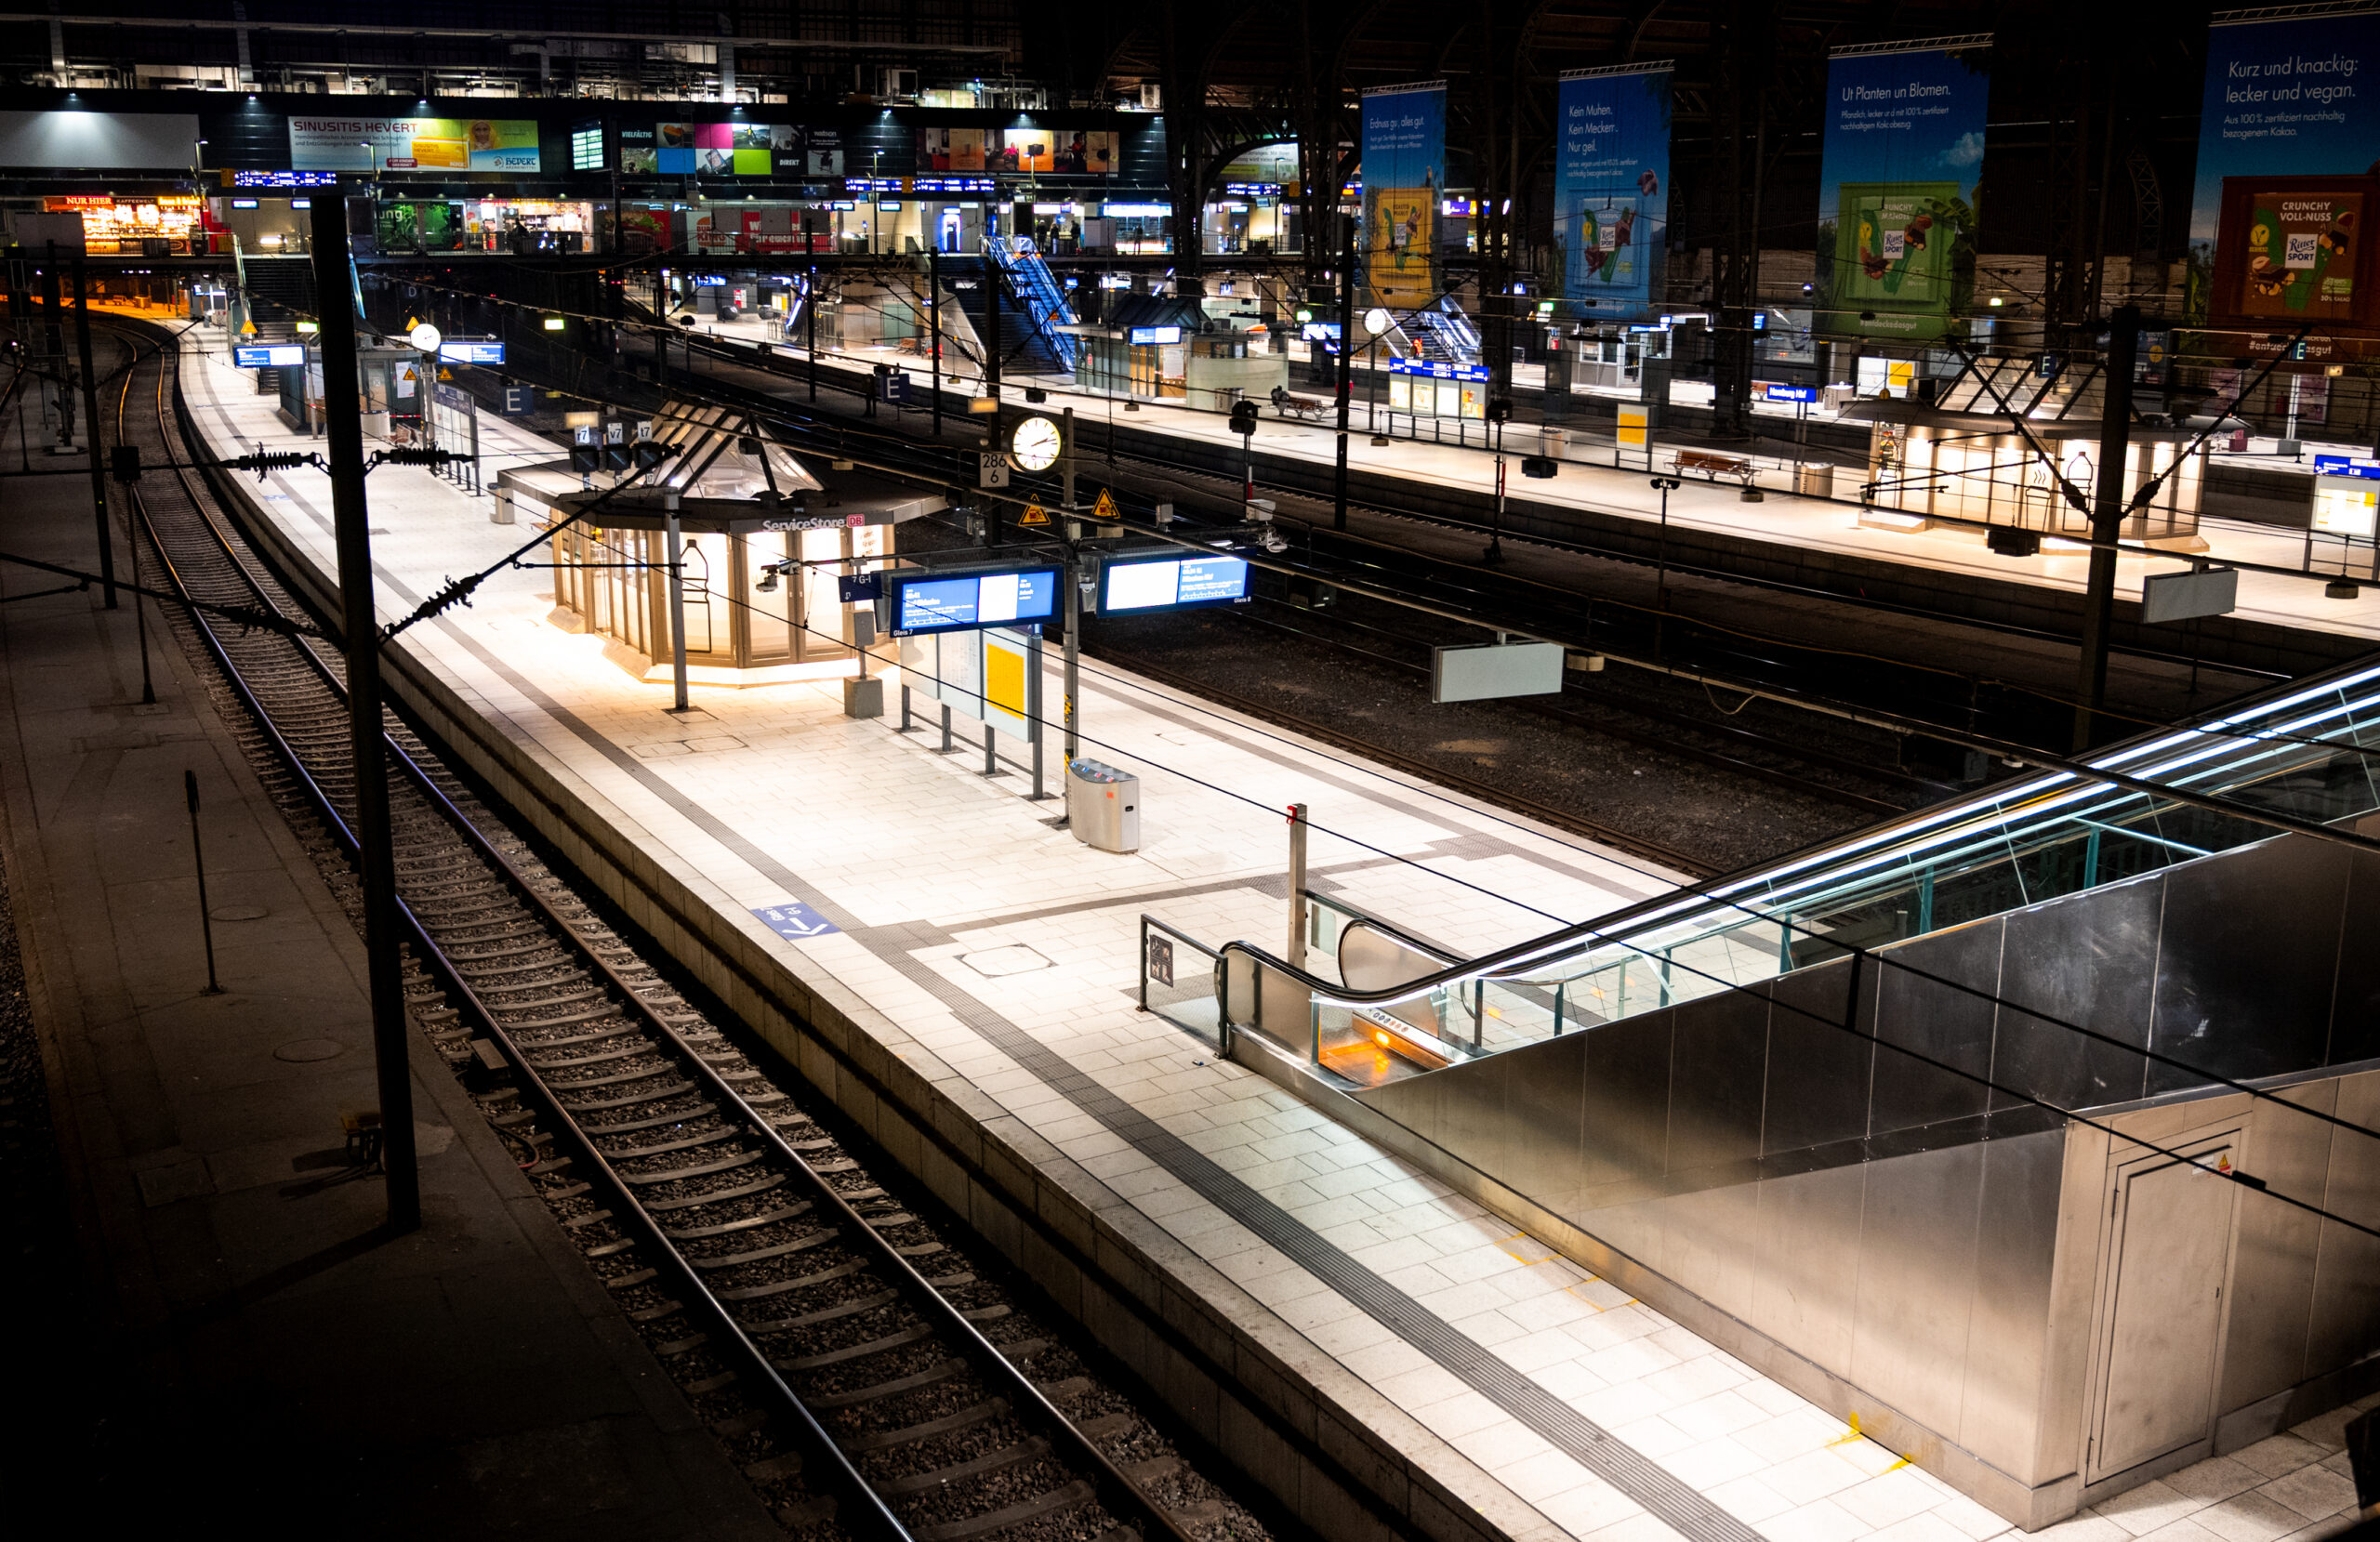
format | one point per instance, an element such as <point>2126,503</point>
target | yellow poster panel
<point>1004,679</point>
<point>1402,245</point>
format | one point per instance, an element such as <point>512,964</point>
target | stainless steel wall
<point>1933,1245</point>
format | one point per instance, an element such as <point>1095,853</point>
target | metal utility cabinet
<point>1104,806</point>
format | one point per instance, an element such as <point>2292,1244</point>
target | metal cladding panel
<point>2089,958</point>
<point>1936,1020</point>
<point>1627,1095</point>
<point>2248,959</point>
<point>1809,1236</point>
<point>1718,1064</point>
<point>1545,1105</point>
<point>2346,1324</point>
<point>2354,1015</point>
<point>2272,1280</point>
<point>2009,1326</point>
<point>1916,1281</point>
<point>98,142</point>
<point>1818,1073</point>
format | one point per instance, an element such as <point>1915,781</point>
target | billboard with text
<point>412,144</point>
<point>1902,152</point>
<point>1611,188</point>
<point>1404,175</point>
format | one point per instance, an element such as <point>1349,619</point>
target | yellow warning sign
<point>1105,507</point>
<point>1035,515</point>
<point>446,374</point>
<point>247,327</point>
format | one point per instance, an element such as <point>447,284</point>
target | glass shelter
<point>765,540</point>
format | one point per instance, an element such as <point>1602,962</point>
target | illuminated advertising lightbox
<point>269,355</point>
<point>924,602</point>
<point>1171,583</point>
<point>1902,154</point>
<point>2287,250</point>
<point>412,144</point>
<point>1611,191</point>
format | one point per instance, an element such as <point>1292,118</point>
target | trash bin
<point>1814,480</point>
<point>1552,442</point>
<point>1104,806</point>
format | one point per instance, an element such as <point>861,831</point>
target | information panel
<point>1171,583</point>
<point>471,350</point>
<point>269,355</point>
<point>926,602</point>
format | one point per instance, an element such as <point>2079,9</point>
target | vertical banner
<point>2285,189</point>
<point>1611,186</point>
<point>1403,172</point>
<point>1897,216</point>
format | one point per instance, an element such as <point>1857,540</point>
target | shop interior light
<point>1997,300</point>
<point>304,327</point>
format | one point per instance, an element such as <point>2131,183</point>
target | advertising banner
<point>1611,186</point>
<point>1403,172</point>
<point>1897,217</point>
<point>2284,186</point>
<point>412,144</point>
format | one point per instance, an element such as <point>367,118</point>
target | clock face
<point>1035,444</point>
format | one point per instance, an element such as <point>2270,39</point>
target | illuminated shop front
<point>167,225</point>
<point>765,540</point>
<point>1965,459</point>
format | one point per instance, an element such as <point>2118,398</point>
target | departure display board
<point>267,355</point>
<point>471,350</point>
<point>926,602</point>
<point>1171,583</point>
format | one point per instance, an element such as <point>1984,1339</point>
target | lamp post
<point>1664,486</point>
<point>1499,409</point>
<point>1376,321</point>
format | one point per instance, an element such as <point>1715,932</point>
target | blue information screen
<point>472,352</point>
<point>1171,583</point>
<point>924,603</point>
<point>267,355</point>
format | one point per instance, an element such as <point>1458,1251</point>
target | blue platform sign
<point>795,921</point>
<point>2348,466</point>
<point>1790,394</point>
<point>854,587</point>
<point>471,350</point>
<point>1437,369</point>
<point>269,355</point>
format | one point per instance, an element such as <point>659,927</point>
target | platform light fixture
<point>553,324</point>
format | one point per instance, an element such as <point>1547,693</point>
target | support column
<point>2106,522</point>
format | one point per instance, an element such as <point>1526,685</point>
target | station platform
<point>241,1338</point>
<point>965,984</point>
<point>1792,532</point>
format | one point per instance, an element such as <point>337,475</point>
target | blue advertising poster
<point>1405,177</point>
<point>1897,213</point>
<point>2285,97</point>
<point>1611,188</point>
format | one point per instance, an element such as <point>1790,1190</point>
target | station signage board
<point>950,184</point>
<point>1774,392</point>
<point>1254,190</point>
<point>269,355</point>
<point>1146,336</point>
<point>1437,369</point>
<point>1171,583</point>
<point>467,351</point>
<point>925,602</point>
<point>235,179</point>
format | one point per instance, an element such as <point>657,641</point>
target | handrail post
<point>1296,953</point>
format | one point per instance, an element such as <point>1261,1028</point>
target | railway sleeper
<point>588,1105</point>
<point>1072,1496</point>
<point>940,1371</point>
<point>966,1418</point>
<point>742,1223</point>
<point>717,1196</point>
<point>742,1159</point>
<point>834,1313</point>
<point>1023,1451</point>
<point>778,1287</point>
<point>780,1250</point>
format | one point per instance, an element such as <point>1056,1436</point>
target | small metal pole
<point>198,860</point>
<point>1066,445</point>
<point>945,728</point>
<point>810,320</point>
<point>91,429</point>
<point>991,757</point>
<point>1033,722</point>
<point>1296,953</point>
<point>1346,359</point>
<point>933,320</point>
<point>1074,654</point>
<point>676,599</point>
<point>905,709</point>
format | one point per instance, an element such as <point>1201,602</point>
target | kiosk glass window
<point>771,614</point>
<point>825,633</point>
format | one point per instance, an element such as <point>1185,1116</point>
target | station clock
<point>1034,443</point>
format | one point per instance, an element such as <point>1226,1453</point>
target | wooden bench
<point>1714,466</point>
<point>1290,404</point>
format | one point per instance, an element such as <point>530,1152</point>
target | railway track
<point>870,1379</point>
